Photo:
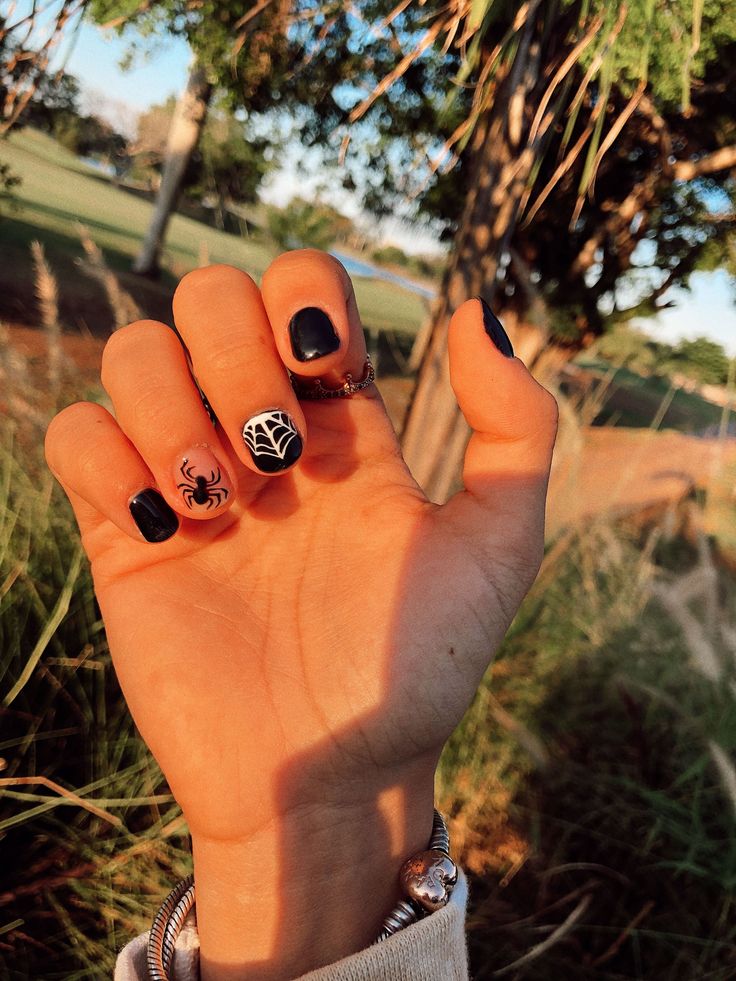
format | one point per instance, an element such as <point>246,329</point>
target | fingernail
<point>201,481</point>
<point>494,329</point>
<point>312,334</point>
<point>154,517</point>
<point>273,440</point>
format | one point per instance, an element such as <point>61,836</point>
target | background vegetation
<point>591,787</point>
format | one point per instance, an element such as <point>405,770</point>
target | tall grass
<point>591,783</point>
<point>124,308</point>
<point>590,787</point>
<point>88,838</point>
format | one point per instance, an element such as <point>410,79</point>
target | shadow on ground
<point>83,305</point>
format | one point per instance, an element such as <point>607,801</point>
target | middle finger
<point>221,319</point>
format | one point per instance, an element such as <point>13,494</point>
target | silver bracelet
<point>427,880</point>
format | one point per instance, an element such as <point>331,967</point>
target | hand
<point>297,651</point>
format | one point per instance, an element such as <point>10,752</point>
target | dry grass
<point>47,293</point>
<point>124,308</point>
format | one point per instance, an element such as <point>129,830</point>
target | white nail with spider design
<point>273,440</point>
<point>203,483</point>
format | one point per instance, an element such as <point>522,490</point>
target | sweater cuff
<point>433,949</point>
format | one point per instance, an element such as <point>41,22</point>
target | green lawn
<point>58,190</point>
<point>637,401</point>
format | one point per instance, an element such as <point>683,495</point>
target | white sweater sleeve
<point>431,950</point>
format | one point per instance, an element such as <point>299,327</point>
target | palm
<point>297,621</point>
<point>320,632</point>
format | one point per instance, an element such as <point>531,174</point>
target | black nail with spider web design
<point>272,440</point>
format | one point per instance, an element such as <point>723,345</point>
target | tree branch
<point>711,163</point>
<point>118,21</point>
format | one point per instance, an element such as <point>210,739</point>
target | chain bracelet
<point>426,878</point>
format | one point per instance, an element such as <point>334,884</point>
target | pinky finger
<point>104,476</point>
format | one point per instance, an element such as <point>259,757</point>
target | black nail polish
<point>273,440</point>
<point>494,329</point>
<point>312,334</point>
<point>153,516</point>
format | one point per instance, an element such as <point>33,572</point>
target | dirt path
<point>609,471</point>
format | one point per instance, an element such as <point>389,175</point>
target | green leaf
<point>478,11</point>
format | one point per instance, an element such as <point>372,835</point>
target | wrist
<point>311,886</point>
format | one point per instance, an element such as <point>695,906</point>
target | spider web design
<point>270,434</point>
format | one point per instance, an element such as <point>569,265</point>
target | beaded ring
<point>316,390</point>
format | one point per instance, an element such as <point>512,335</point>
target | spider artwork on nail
<point>198,489</point>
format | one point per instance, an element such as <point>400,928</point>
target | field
<point>591,789</point>
<point>58,191</point>
<point>635,401</point>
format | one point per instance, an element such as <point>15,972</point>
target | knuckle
<point>229,353</point>
<point>550,410</point>
<point>130,345</point>
<point>66,428</point>
<point>217,278</point>
<point>146,402</point>
<point>89,462</point>
<point>299,259</point>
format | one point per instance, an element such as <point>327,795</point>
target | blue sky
<point>709,309</point>
<point>162,71</point>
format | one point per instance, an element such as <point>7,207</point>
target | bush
<point>390,255</point>
<point>307,223</point>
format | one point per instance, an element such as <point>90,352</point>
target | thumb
<point>514,423</point>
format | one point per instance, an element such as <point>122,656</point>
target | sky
<point>709,309</point>
<point>95,60</point>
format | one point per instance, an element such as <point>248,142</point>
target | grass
<point>585,779</point>
<point>590,787</point>
<point>633,400</point>
<point>582,778</point>
<point>58,190</point>
<point>86,848</point>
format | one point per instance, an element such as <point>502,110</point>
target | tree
<point>555,57</point>
<point>8,181</point>
<point>184,135</point>
<point>152,130</point>
<point>236,47</point>
<point>311,223</point>
<point>578,136</point>
<point>702,359</point>
<point>228,163</point>
<point>54,101</point>
<point>627,347</point>
<point>25,50</point>
<point>88,136</point>
<point>27,42</point>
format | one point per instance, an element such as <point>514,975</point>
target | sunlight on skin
<point>297,659</point>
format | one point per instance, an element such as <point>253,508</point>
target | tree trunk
<point>186,129</point>
<point>435,433</point>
